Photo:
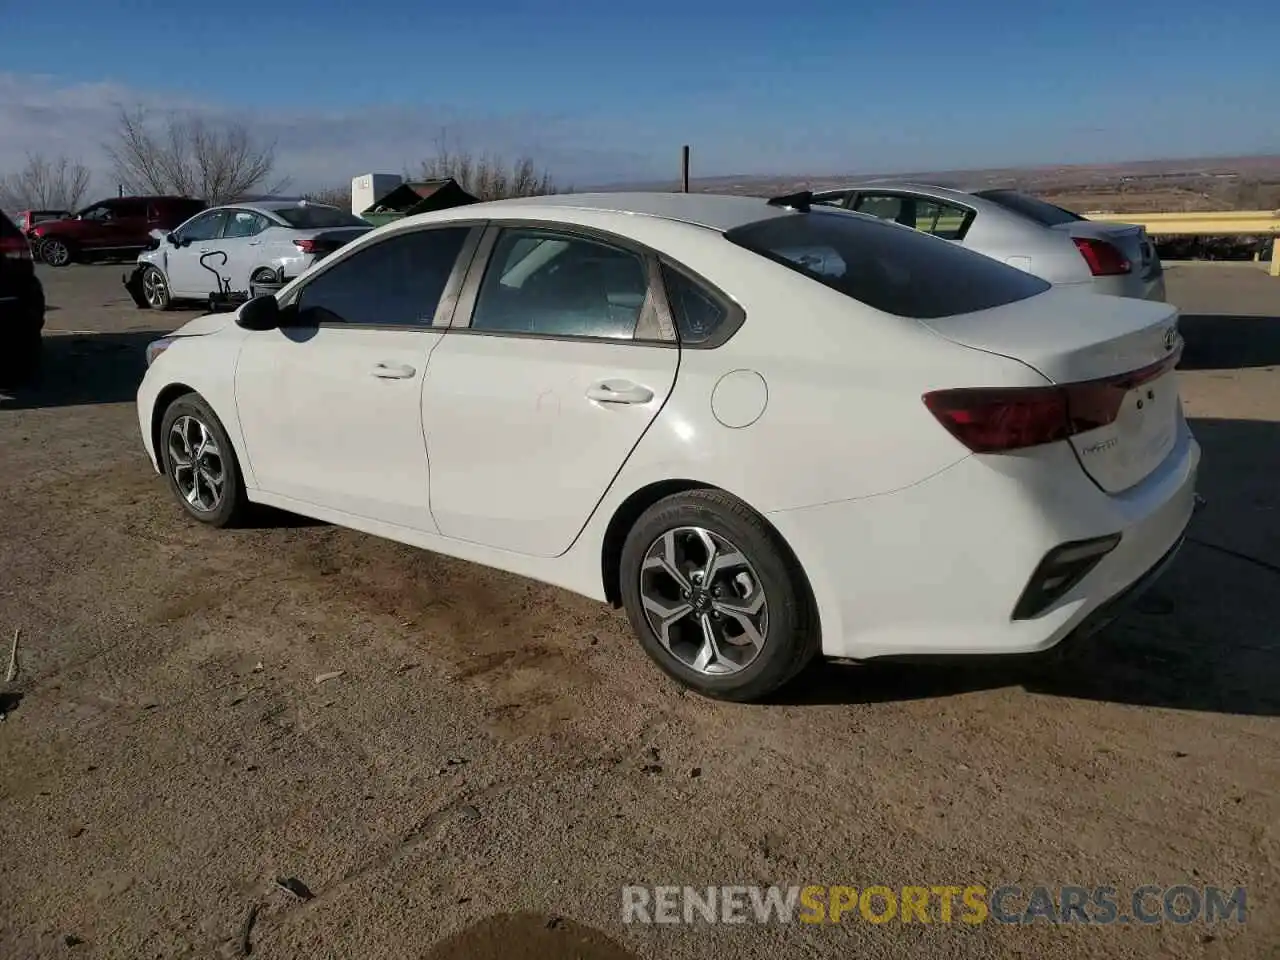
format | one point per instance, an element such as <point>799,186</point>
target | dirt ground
<point>497,758</point>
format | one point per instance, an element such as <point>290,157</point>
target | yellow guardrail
<point>1222,223</point>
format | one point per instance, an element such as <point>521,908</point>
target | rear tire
<point>200,463</point>
<point>57,252</point>
<point>716,598</point>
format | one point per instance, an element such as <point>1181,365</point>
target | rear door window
<point>925,214</point>
<point>557,284</point>
<point>902,272</point>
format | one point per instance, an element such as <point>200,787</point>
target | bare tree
<point>192,156</point>
<point>486,176</point>
<point>45,183</point>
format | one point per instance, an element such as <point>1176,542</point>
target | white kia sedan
<point>768,430</point>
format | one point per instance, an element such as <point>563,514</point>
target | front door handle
<point>619,391</point>
<point>393,371</point>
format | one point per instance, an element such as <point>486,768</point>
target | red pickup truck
<point>114,228</point>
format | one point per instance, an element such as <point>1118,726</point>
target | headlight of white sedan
<point>157,347</point>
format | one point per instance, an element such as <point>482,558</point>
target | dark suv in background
<point>118,227</point>
<point>21,306</point>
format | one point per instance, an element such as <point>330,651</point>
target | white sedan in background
<point>257,242</point>
<point>768,430</point>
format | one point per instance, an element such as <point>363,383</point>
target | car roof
<point>714,211</point>
<point>148,198</point>
<point>270,206</point>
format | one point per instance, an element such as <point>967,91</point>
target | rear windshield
<point>886,266</point>
<point>1043,213</point>
<point>7,227</point>
<point>319,218</point>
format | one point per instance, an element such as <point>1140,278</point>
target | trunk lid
<point>1129,238</point>
<point>1115,352</point>
<point>326,242</point>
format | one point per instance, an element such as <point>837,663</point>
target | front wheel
<point>715,596</point>
<point>56,253</point>
<point>200,464</point>
<point>155,289</point>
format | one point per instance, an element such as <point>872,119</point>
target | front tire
<point>716,597</point>
<point>56,252</point>
<point>200,464</point>
<point>155,289</point>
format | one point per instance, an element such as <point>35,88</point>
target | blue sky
<point>608,91</point>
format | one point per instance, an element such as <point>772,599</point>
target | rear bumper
<point>1113,608</point>
<point>1139,288</point>
<point>938,568</point>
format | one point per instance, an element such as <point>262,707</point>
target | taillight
<point>15,248</point>
<point>1104,259</point>
<point>306,246</point>
<point>1001,419</point>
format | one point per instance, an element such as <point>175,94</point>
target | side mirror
<point>260,313</point>
<point>172,238</point>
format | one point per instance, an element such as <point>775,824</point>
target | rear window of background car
<point>896,270</point>
<point>318,218</point>
<point>1045,214</point>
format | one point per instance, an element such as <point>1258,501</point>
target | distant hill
<point>1139,185</point>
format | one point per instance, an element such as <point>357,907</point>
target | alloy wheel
<point>196,463</point>
<point>153,288</point>
<point>55,253</point>
<point>704,601</point>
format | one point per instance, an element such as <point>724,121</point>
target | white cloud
<point>314,147</point>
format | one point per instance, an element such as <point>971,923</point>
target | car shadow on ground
<point>1203,638</point>
<point>1219,342</point>
<point>83,368</point>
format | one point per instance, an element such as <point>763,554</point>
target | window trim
<point>655,294</point>
<point>448,297</point>
<point>971,213</point>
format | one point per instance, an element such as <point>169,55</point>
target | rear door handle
<point>393,371</point>
<point>619,391</point>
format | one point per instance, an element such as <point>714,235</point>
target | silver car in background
<point>260,242</point>
<point>1054,244</point>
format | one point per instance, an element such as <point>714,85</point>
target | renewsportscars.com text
<point>970,904</point>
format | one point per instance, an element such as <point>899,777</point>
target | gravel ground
<point>498,758</point>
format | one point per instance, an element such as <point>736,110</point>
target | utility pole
<point>684,169</point>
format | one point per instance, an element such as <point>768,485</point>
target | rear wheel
<point>716,598</point>
<point>56,252</point>
<point>264,275</point>
<point>200,464</point>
